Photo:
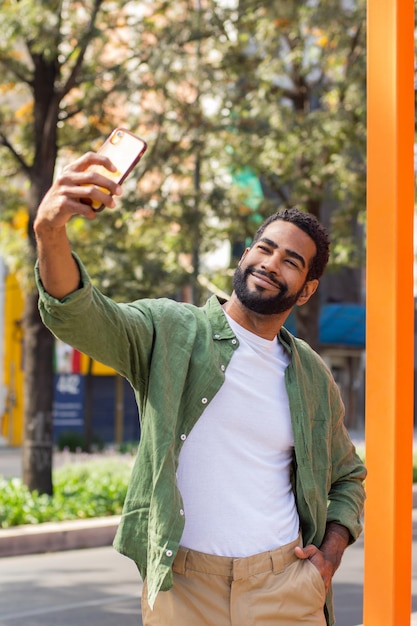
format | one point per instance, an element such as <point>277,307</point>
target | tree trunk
<point>49,87</point>
<point>38,341</point>
<point>37,398</point>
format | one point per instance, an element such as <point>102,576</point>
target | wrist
<point>44,227</point>
<point>333,528</point>
<point>335,541</point>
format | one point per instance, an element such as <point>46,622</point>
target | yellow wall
<point>12,419</point>
<point>98,369</point>
<point>11,422</point>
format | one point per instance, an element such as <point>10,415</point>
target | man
<point>246,488</point>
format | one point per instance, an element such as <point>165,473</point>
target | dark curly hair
<point>310,225</point>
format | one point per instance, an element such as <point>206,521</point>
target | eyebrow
<point>290,252</point>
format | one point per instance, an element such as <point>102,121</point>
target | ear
<point>243,255</point>
<point>309,288</point>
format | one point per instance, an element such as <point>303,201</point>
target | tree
<point>183,194</point>
<point>72,70</point>
<point>298,116</point>
<point>274,90</point>
<point>57,65</point>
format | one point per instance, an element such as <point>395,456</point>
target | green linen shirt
<point>175,356</point>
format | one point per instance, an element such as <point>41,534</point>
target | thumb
<point>305,553</point>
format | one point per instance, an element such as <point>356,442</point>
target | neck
<point>265,326</point>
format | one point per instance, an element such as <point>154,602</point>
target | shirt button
<point>216,336</point>
<point>204,400</point>
<point>183,437</point>
<point>234,342</point>
<point>168,553</point>
<point>181,511</point>
<point>222,367</point>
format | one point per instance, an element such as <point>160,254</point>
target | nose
<point>271,264</point>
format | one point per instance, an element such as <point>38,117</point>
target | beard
<point>255,300</point>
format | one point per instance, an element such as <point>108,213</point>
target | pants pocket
<point>315,578</point>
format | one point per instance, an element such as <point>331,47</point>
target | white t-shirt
<point>234,467</point>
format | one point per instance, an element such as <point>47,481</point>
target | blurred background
<point>247,108</point>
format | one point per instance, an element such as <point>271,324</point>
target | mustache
<point>283,287</point>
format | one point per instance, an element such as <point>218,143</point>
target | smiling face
<point>272,275</point>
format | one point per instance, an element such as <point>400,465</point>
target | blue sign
<point>68,406</point>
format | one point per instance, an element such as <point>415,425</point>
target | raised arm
<point>70,195</point>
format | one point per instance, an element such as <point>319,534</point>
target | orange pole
<point>390,313</point>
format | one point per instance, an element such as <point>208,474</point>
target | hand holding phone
<point>124,149</point>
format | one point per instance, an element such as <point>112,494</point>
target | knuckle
<point>62,179</point>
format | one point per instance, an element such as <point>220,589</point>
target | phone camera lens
<point>116,137</point>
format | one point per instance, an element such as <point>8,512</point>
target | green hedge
<point>81,490</point>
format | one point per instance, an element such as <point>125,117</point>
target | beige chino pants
<point>274,588</point>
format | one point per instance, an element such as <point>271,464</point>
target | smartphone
<point>125,150</point>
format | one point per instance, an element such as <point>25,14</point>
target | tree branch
<point>350,59</point>
<point>18,157</point>
<point>15,68</point>
<point>84,41</point>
